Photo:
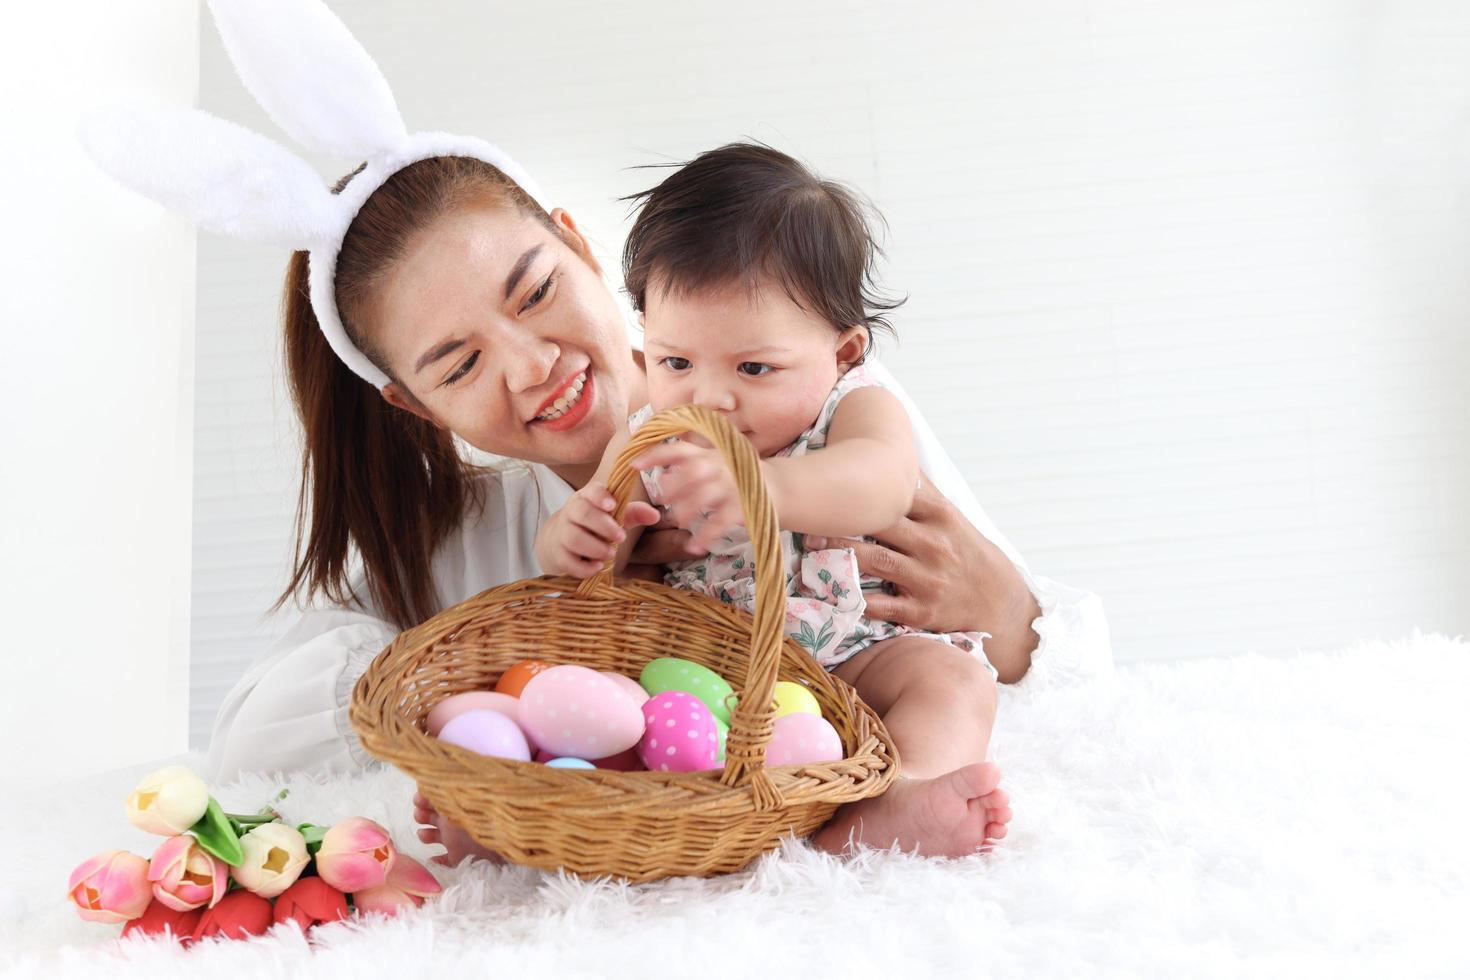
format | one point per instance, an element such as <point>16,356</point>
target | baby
<point>754,280</point>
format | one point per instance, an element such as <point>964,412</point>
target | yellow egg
<point>792,698</point>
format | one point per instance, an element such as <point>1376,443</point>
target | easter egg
<point>458,704</point>
<point>791,698</point>
<point>567,762</point>
<point>673,674</point>
<point>514,680</point>
<point>722,731</point>
<point>624,761</point>
<point>800,738</point>
<point>488,733</point>
<point>680,735</point>
<point>627,685</point>
<point>575,711</point>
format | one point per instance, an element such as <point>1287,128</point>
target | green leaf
<point>313,835</point>
<point>217,835</point>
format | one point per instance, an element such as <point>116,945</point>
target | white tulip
<point>168,802</point>
<point>275,856</point>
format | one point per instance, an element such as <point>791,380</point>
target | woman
<point>483,310</point>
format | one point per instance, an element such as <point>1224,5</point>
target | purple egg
<point>488,733</point>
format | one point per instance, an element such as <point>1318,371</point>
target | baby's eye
<point>676,363</point>
<point>754,369</point>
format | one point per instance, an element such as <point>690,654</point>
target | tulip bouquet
<point>235,875</point>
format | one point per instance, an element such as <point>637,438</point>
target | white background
<point>96,342</point>
<point>1188,289</point>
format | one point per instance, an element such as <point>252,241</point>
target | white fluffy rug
<point>1242,816</point>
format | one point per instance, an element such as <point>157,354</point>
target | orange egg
<point>514,681</point>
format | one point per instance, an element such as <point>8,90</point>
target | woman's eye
<point>464,368</point>
<point>676,363</point>
<point>539,294</point>
<point>754,369</point>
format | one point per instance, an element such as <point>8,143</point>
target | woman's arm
<point>949,577</point>
<point>289,711</point>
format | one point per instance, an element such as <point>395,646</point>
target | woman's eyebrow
<point>434,353</point>
<point>519,271</point>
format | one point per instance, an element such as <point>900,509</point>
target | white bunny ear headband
<point>318,83</point>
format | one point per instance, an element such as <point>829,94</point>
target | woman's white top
<point>289,711</point>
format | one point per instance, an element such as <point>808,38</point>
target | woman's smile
<point>569,404</point>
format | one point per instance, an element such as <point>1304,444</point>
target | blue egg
<point>567,762</point>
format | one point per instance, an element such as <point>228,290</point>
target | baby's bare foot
<point>947,816</point>
<point>457,843</point>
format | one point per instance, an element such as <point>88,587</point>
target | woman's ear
<point>852,344</point>
<point>399,398</point>
<point>566,226</point>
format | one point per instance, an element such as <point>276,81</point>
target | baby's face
<point>755,356</point>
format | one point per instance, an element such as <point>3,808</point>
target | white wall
<point>1187,278</point>
<point>96,322</point>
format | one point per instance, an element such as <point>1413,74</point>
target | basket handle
<point>754,718</point>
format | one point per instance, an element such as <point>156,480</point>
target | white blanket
<point>1227,817</point>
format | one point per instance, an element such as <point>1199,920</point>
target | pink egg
<point>575,711</point>
<point>488,733</point>
<point>680,734</point>
<point>627,685</point>
<point>458,704</point>
<point>801,738</point>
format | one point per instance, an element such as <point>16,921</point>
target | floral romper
<point>825,590</point>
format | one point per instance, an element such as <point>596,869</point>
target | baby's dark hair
<point>746,210</point>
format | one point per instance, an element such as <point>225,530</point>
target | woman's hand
<point>581,537</point>
<point>948,577</point>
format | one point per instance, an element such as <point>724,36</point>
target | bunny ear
<point>309,73</point>
<point>223,176</point>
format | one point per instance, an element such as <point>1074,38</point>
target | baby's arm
<point>578,539</point>
<point>861,483</point>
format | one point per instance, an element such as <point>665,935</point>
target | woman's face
<point>506,335</point>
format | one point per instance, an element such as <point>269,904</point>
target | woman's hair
<point>375,477</point>
<point>744,211</point>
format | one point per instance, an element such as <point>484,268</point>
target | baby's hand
<point>581,537</point>
<point>699,490</point>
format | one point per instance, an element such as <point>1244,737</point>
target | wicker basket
<point>636,825</point>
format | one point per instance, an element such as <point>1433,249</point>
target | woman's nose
<point>529,360</point>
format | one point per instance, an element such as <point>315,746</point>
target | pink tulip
<point>356,854</point>
<point>186,876</point>
<point>110,887</point>
<point>407,885</point>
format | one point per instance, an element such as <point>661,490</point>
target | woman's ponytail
<point>373,477</point>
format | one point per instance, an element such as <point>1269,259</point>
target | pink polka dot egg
<point>680,734</point>
<point>575,711</point>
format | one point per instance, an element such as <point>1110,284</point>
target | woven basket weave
<point>635,825</point>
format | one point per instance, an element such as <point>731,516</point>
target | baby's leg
<point>938,703</point>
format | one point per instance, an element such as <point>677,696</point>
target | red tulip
<point>238,915</point>
<point>309,902</point>
<point>159,920</point>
